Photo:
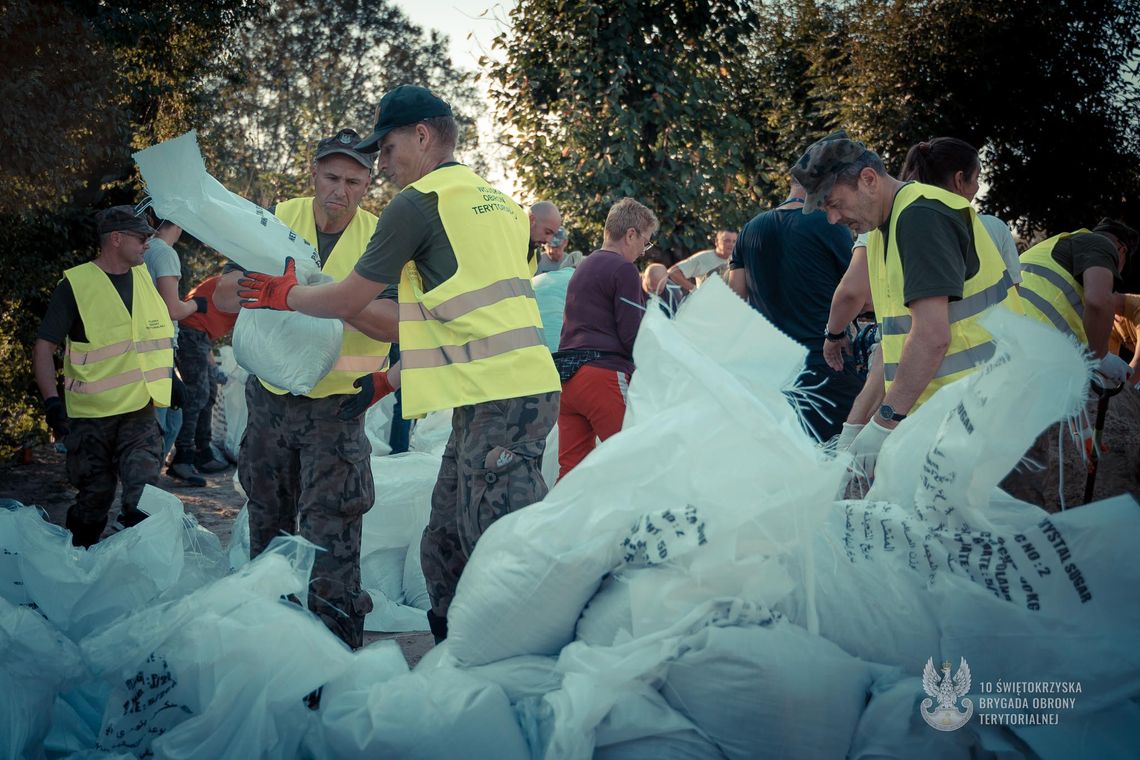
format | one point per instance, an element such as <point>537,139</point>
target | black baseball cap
<point>345,141</point>
<point>407,104</point>
<point>121,219</point>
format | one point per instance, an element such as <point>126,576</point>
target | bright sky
<point>470,25</point>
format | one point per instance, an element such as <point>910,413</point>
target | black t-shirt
<point>62,319</point>
<point>793,262</point>
<point>1077,253</point>
<point>936,246</point>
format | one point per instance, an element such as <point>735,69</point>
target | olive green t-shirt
<point>1085,250</point>
<point>410,230</point>
<point>936,246</point>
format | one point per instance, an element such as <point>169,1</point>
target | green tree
<point>628,98</point>
<point>1044,88</point>
<point>83,82</point>
<point>306,70</point>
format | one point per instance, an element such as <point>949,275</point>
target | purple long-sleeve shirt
<point>598,314</point>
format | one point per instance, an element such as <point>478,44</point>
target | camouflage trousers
<point>101,451</point>
<point>307,473</point>
<point>492,465</point>
<point>194,347</point>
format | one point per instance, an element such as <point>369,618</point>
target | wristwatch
<point>887,412</point>
<point>833,336</point>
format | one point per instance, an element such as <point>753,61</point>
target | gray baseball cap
<point>821,163</point>
<point>345,142</point>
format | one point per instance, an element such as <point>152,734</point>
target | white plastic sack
<point>78,589</point>
<point>769,691</point>
<point>550,292</point>
<point>221,672</point>
<point>11,580</point>
<point>432,714</point>
<point>287,349</point>
<point>185,193</point>
<point>238,551</point>
<point>431,433</point>
<point>415,585</point>
<point>378,425</point>
<point>700,414</point>
<point>404,483</point>
<point>232,399</point>
<point>38,661</point>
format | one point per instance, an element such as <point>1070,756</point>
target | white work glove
<point>1114,369</point>
<point>843,442</point>
<point>865,448</point>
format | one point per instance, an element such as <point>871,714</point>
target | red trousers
<point>593,406</point>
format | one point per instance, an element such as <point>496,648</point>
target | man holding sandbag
<point>306,471</point>
<point>471,337</point>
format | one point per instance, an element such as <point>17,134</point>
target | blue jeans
<point>170,420</point>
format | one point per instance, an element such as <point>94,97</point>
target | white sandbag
<point>11,580</point>
<point>415,585</point>
<point>383,570</point>
<point>772,691</point>
<point>431,714</point>
<point>287,349</point>
<point>596,679</point>
<point>76,716</point>
<point>390,616</point>
<point>378,425</point>
<point>892,729</point>
<point>79,590</point>
<point>431,433</point>
<point>550,292</point>
<point>184,192</point>
<point>680,745</point>
<point>533,571</point>
<point>232,398</point>
<point>37,662</point>
<point>221,672</point>
<point>404,483</point>
<point>238,551</point>
<point>550,458</point>
<point>608,614</point>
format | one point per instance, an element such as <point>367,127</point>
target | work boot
<point>205,461</point>
<point>185,472</point>
<point>84,534</point>
<point>438,626</point>
<point>129,518</point>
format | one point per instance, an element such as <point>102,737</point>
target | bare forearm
<point>43,367</point>
<point>678,277</point>
<point>330,300</point>
<point>1098,326</point>
<point>380,320</point>
<point>738,281</point>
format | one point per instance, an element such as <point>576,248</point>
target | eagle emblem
<point>946,691</point>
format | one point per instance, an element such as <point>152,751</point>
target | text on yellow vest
<point>477,336</point>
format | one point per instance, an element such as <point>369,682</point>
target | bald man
<point>545,220</point>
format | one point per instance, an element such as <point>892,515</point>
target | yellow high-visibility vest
<point>970,344</point>
<point>127,360</point>
<point>477,336</point>
<point>359,354</point>
<point>1052,295</point>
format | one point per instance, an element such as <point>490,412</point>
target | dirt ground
<point>43,482</point>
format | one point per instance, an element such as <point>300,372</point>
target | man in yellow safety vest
<point>471,337</point>
<point>933,268</point>
<point>117,367</point>
<point>300,465</point>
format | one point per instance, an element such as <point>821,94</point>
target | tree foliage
<point>626,98</point>
<point>698,108</point>
<point>306,70</point>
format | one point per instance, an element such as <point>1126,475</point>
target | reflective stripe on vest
<point>970,344</point>
<point>1053,295</point>
<point>476,337</point>
<point>127,360</point>
<point>359,354</point>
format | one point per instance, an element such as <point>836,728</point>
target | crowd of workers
<point>446,271</point>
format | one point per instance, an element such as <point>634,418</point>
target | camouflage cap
<point>818,166</point>
<point>121,219</point>
<point>558,238</point>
